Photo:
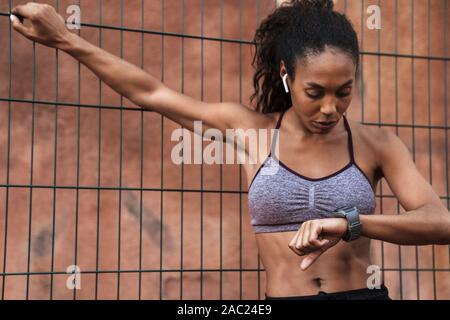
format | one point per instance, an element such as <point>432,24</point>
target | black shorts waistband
<point>358,294</point>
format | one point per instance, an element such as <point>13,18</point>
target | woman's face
<point>322,89</point>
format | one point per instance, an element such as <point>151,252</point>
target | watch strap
<point>353,222</point>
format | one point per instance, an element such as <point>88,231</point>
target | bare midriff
<point>341,268</point>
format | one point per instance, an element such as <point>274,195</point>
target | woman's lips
<point>324,125</point>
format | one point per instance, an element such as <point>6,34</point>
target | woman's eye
<point>316,95</point>
<point>344,93</point>
<point>313,95</point>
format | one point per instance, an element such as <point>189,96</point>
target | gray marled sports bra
<point>280,200</point>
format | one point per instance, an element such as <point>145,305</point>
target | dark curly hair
<point>293,31</point>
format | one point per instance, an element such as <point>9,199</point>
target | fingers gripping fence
<point>91,206</point>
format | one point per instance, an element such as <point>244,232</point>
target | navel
<point>318,282</point>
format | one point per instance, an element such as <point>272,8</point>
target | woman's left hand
<point>47,26</point>
<point>315,237</point>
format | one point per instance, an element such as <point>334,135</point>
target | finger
<point>26,10</point>
<point>312,243</point>
<point>294,239</point>
<point>19,27</point>
<point>21,18</point>
<point>315,237</point>
<point>292,244</point>
<point>310,259</point>
<point>303,243</point>
<point>320,243</point>
<point>299,243</point>
<point>298,252</point>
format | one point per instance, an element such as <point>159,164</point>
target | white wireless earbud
<point>285,83</point>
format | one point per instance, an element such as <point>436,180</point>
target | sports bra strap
<point>350,140</point>
<point>346,125</point>
<point>279,119</point>
<point>275,136</point>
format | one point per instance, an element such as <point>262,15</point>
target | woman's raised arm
<point>49,28</point>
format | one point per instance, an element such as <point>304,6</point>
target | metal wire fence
<point>86,180</point>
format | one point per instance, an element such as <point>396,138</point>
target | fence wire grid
<point>86,180</point>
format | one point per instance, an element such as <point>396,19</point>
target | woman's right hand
<point>47,26</point>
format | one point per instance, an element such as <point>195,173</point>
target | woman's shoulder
<point>369,134</point>
<point>369,139</point>
<point>261,120</point>
<point>269,120</point>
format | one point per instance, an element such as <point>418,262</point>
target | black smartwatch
<point>354,225</point>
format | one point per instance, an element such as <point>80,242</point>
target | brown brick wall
<point>418,87</point>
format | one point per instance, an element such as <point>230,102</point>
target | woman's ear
<point>283,70</point>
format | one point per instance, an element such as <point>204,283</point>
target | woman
<point>314,205</point>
